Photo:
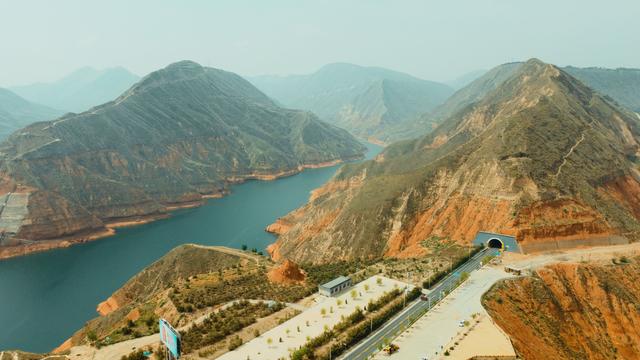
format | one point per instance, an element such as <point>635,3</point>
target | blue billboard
<point>170,338</point>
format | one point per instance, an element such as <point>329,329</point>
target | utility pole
<point>404,297</point>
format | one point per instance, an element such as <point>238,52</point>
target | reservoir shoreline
<point>64,285</point>
<point>111,225</point>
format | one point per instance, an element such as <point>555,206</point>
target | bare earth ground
<point>483,338</point>
<point>593,254</point>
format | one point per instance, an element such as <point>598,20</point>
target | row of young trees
<point>433,279</point>
<point>225,322</point>
<point>354,327</point>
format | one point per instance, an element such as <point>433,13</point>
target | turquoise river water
<point>45,297</point>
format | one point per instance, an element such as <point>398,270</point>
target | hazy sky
<point>437,40</point>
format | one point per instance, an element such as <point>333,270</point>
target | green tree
<point>91,335</point>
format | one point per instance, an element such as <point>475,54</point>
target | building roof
<point>335,282</point>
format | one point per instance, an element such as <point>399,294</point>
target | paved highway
<point>417,308</point>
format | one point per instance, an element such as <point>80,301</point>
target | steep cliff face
<point>571,311</point>
<point>533,153</point>
<point>182,133</point>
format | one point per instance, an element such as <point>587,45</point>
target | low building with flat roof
<point>335,286</point>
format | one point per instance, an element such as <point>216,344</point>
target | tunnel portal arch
<point>495,243</point>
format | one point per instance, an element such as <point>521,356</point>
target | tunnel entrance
<point>495,243</point>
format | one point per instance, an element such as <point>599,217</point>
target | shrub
<point>136,355</point>
<point>91,335</point>
<point>225,322</point>
<point>235,343</point>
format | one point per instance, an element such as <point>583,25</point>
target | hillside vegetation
<point>538,155</point>
<point>179,135</point>
<point>194,287</point>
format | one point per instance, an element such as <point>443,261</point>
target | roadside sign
<point>170,338</point>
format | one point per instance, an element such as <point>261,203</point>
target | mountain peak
<point>528,149</point>
<point>184,65</point>
<point>535,69</point>
<point>535,61</point>
<point>181,70</point>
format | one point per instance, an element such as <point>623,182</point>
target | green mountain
<point>623,85</point>
<point>80,90</point>
<point>528,150</point>
<point>370,102</point>
<point>179,135</point>
<point>16,112</point>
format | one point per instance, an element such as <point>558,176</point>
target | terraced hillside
<point>538,155</point>
<point>180,135</point>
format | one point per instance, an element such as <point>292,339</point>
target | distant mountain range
<point>80,90</point>
<point>465,79</point>
<point>16,112</point>
<point>179,135</point>
<point>372,103</point>
<point>623,85</point>
<point>527,150</point>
